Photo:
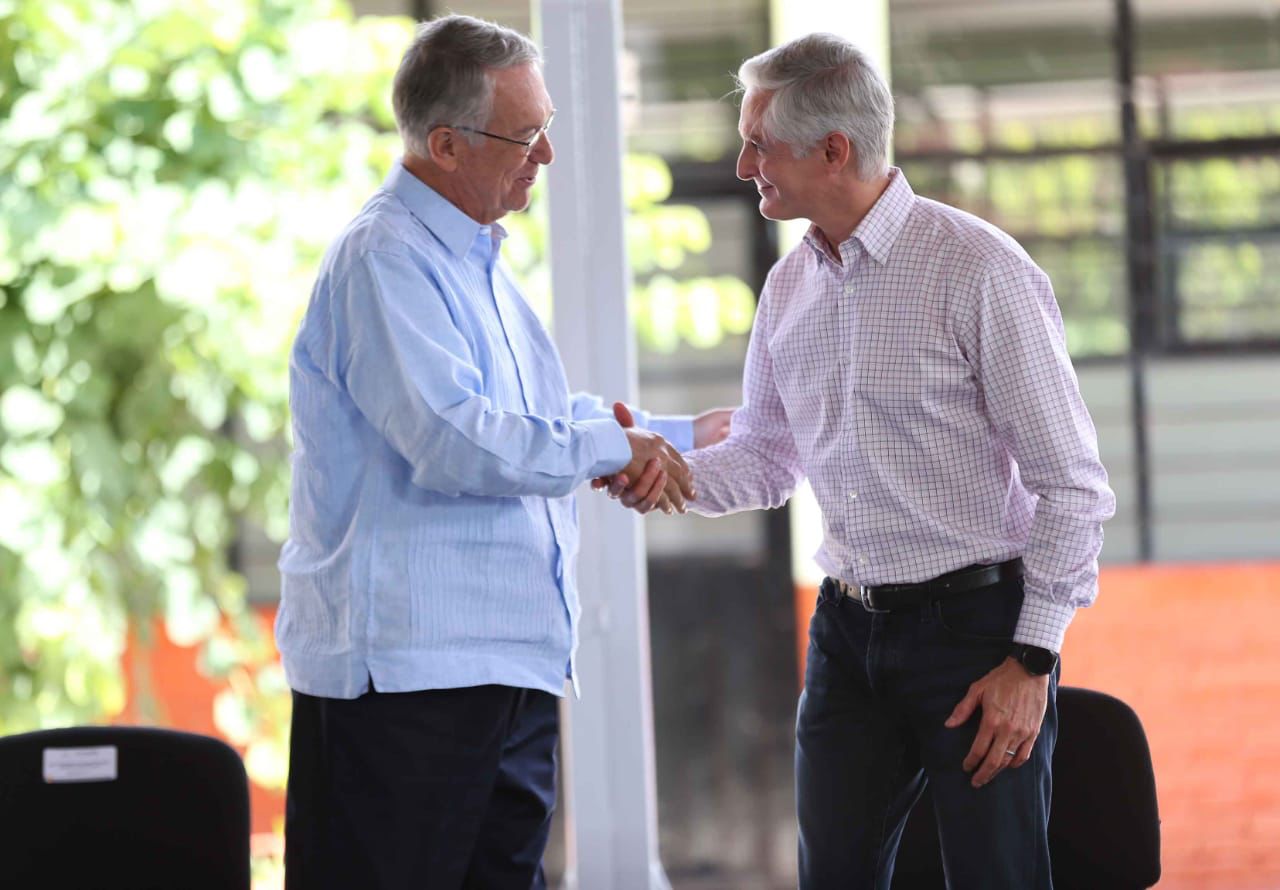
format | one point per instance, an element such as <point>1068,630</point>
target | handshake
<point>657,476</point>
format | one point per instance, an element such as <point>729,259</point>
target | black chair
<point>1104,827</point>
<point>122,808</point>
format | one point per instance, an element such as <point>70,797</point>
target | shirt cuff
<point>1043,622</point>
<point>676,429</point>
<point>612,450</point>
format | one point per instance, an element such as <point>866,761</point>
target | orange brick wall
<point>183,699</point>
<point>1195,650</point>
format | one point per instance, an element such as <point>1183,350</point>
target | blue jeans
<point>870,734</point>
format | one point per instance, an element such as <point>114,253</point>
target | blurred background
<point>171,170</point>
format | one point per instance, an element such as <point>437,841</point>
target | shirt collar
<point>487,242</point>
<point>879,229</point>
<point>455,229</point>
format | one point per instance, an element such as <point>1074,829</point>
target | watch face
<point>1037,660</point>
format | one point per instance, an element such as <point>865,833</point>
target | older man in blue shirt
<point>429,612</point>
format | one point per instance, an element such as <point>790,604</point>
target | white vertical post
<point>611,793</point>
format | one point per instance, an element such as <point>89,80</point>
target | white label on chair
<point>80,764</point>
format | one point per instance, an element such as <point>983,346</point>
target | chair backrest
<point>1104,827</point>
<point>111,808</point>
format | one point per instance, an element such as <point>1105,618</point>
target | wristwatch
<point>1034,659</point>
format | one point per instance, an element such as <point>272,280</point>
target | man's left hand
<point>1013,703</point>
<point>711,427</point>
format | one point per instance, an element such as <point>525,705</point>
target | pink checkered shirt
<point>923,387</point>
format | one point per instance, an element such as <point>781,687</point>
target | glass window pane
<point>1220,257</point>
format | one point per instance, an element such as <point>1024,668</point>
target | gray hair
<point>445,78</point>
<point>824,84</point>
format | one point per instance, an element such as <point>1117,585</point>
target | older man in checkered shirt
<point>909,360</point>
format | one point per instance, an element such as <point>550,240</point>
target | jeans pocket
<point>988,615</point>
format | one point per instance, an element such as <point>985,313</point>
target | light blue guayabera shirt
<point>433,532</point>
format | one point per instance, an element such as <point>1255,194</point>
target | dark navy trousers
<point>444,789</point>
<point>870,734</point>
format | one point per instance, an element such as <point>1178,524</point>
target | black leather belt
<point>892,597</point>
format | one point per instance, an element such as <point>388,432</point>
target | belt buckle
<point>868,602</point>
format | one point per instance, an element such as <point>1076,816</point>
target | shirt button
<point>848,288</point>
<point>862,560</point>
<point>853,495</point>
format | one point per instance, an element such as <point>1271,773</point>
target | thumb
<point>622,414</point>
<point>964,710</point>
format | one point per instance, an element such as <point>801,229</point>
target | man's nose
<point>542,152</point>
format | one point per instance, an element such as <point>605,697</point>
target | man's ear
<point>837,151</point>
<point>442,147</point>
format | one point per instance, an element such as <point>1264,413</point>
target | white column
<point>610,794</point>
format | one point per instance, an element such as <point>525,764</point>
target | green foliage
<point>1224,192</point>
<point>170,172</point>
<point>668,309</point>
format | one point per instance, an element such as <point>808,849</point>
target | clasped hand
<point>662,479</point>
<point>644,485</point>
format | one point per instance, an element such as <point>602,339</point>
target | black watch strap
<point>1036,660</point>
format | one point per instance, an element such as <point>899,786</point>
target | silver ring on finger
<point>1008,753</point>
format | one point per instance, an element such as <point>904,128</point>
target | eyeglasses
<point>526,144</point>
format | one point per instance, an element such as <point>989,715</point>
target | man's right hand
<point>647,446</point>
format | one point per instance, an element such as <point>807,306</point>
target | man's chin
<point>770,210</point>
<point>519,201</point>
